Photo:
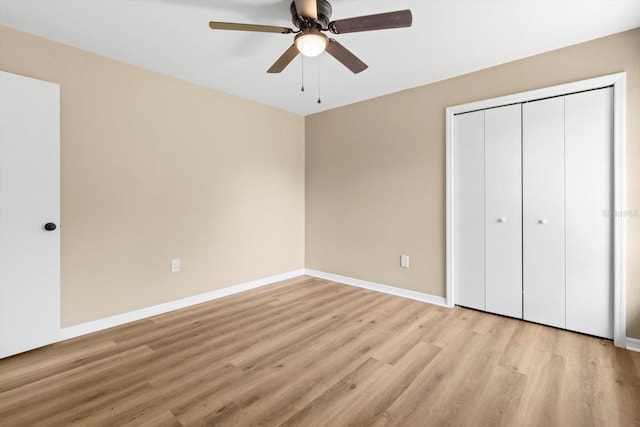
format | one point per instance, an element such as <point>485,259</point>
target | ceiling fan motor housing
<point>303,23</point>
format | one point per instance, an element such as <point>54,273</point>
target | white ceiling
<point>448,38</point>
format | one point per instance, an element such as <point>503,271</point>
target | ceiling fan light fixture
<point>311,43</point>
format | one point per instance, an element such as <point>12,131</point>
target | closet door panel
<point>589,201</point>
<point>543,214</point>
<point>503,219</point>
<point>468,202</point>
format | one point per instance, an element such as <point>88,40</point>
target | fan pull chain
<point>302,78</point>
<point>319,100</point>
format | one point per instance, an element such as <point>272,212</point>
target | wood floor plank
<point>165,419</point>
<point>399,343</point>
<point>420,398</point>
<point>524,350</point>
<point>370,407</point>
<point>97,370</point>
<point>468,381</point>
<point>30,369</point>
<point>500,329</point>
<point>307,352</point>
<point>344,397</point>
<point>167,396</point>
<point>76,412</point>
<point>498,404</point>
<point>540,405</point>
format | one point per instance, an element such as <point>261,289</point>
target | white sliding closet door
<point>589,202</point>
<point>469,210</point>
<point>543,218</point>
<point>503,219</point>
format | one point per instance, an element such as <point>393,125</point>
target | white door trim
<point>618,81</point>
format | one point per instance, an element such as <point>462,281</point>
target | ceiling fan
<point>312,18</point>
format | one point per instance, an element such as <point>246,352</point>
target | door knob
<point>502,219</point>
<point>49,226</point>
<point>542,221</point>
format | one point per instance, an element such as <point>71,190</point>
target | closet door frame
<point>618,82</point>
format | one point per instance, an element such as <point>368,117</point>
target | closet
<point>532,224</point>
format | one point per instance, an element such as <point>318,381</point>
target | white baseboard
<point>419,296</point>
<point>633,344</point>
<point>119,319</point>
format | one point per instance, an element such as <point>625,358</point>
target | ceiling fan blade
<point>381,21</point>
<point>345,56</point>
<point>284,60</point>
<point>307,8</point>
<point>249,27</point>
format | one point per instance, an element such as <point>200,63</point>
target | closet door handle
<point>542,221</point>
<point>502,219</point>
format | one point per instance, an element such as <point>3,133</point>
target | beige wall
<point>375,186</point>
<point>153,168</point>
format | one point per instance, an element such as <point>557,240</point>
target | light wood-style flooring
<point>309,352</point>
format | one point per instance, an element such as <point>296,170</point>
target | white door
<point>589,203</point>
<point>503,219</point>
<point>543,224</point>
<point>468,233</point>
<point>29,200</point>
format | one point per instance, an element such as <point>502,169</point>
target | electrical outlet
<point>175,265</point>
<point>404,261</point>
